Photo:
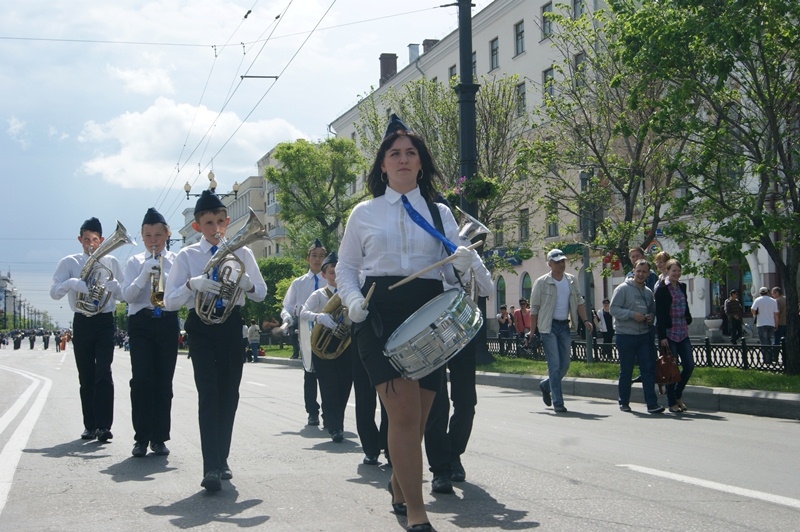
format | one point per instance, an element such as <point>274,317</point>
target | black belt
<point>561,322</point>
<point>151,313</point>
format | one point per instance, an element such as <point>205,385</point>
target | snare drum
<point>433,334</point>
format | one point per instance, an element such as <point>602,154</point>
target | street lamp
<point>212,186</point>
<point>588,289</point>
<point>14,297</point>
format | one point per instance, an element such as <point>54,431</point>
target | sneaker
<point>441,484</point>
<point>458,474</point>
<point>655,409</point>
<point>560,409</point>
<point>625,407</point>
<point>139,449</point>
<point>546,396</point>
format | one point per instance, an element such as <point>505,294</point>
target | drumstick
<point>429,268</point>
<point>369,295</point>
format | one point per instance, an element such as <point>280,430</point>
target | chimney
<point>413,52</point>
<point>427,44</point>
<point>388,67</point>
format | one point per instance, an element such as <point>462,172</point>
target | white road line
<point>15,409</point>
<point>257,384</point>
<point>768,497</point>
<point>12,452</point>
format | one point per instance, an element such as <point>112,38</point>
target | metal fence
<point>706,354</point>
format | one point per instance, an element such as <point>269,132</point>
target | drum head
<point>422,318</point>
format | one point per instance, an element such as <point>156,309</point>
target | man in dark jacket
<point>734,310</point>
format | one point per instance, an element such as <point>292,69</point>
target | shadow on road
<point>203,508</point>
<point>138,469</point>
<point>79,448</point>
<point>476,508</point>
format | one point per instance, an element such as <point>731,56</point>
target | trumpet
<point>157,283</point>
<point>96,274</point>
<point>225,267</point>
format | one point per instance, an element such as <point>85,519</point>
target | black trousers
<point>154,351</point>
<point>310,392</point>
<point>372,438</point>
<point>445,444</point>
<point>335,378</point>
<point>217,362</point>
<point>93,342</point>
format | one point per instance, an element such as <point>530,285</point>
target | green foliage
<point>314,182</point>
<point>275,271</point>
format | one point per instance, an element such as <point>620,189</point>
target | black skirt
<point>388,309</point>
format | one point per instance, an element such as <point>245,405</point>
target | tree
<point>737,63</point>
<point>274,270</point>
<point>315,183</point>
<point>593,122</point>
<point>430,109</point>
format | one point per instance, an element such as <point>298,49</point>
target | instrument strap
<point>437,222</point>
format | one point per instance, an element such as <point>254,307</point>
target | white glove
<point>112,286</point>
<point>245,283</point>
<point>149,267</point>
<point>325,320</point>
<point>463,259</point>
<point>356,313</point>
<point>201,283</point>
<point>287,322</point>
<point>78,285</point>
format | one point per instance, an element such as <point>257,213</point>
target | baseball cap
<point>763,290</point>
<point>556,255</point>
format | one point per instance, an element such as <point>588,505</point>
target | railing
<point>706,354</point>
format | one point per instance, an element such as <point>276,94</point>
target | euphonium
<point>157,283</point>
<point>330,343</point>
<point>225,267</point>
<point>96,274</point>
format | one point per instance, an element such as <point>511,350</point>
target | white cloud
<point>143,149</point>
<point>17,131</point>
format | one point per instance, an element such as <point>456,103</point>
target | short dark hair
<point>734,292</point>
<point>777,289</point>
<point>642,261</point>
<point>503,307</point>
<point>606,301</point>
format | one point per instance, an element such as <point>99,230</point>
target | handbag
<point>667,371</point>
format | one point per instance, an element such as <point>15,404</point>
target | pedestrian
<point>93,326</point>
<point>216,348</point>
<point>397,233</point>
<point>504,321</point>
<point>554,300</point>
<point>780,324</point>
<point>522,324</point>
<point>297,294</point>
<point>765,310</point>
<point>735,312</point>
<point>605,324</point>
<point>672,322</point>
<point>152,338</point>
<point>633,308</point>
<point>254,340</point>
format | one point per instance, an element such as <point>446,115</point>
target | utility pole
<point>587,220</point>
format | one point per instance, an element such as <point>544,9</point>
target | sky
<point>108,108</point>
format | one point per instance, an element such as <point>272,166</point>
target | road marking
<point>12,452</point>
<point>257,384</point>
<point>744,492</point>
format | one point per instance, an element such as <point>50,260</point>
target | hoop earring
<point>384,177</point>
<point>420,175</point>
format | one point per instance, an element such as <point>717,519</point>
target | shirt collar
<point>393,196</point>
<point>205,245</point>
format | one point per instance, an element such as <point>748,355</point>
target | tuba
<point>326,343</point>
<point>474,231</point>
<point>96,274</point>
<point>228,269</point>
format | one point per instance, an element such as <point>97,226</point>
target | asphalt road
<point>594,468</point>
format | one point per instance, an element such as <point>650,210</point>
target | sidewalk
<point>750,402</point>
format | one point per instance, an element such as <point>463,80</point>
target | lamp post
<point>14,297</point>
<point>212,186</point>
<point>588,284</point>
<point>6,293</point>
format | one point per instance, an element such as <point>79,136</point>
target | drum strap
<point>437,222</point>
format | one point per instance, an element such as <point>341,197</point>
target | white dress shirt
<point>298,292</point>
<point>191,261</point>
<point>316,302</point>
<point>138,298</point>
<point>70,268</point>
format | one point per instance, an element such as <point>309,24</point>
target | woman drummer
<point>384,242</point>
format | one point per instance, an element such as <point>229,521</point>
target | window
<point>580,70</point>
<point>494,54</point>
<point>552,221</point>
<point>524,229</point>
<point>474,64</point>
<point>577,8</point>
<point>525,287</point>
<point>451,72</point>
<point>498,233</point>
<point>520,99</point>
<point>500,293</point>
<point>519,37</point>
<point>547,25</point>
<point>548,88</point>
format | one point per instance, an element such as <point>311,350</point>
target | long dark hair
<point>430,173</point>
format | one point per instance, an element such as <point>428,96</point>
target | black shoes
<point>546,396</point>
<point>226,473</point>
<point>103,435</point>
<point>313,419</point>
<point>212,481</point>
<point>625,407</point>
<point>422,527</point>
<point>337,436</point>
<point>159,448</point>
<point>560,409</point>
<point>139,449</point>
<point>458,474</point>
<point>655,409</point>
<point>370,459</point>
<point>398,508</point>
<point>441,484</point>
<point>88,434</point>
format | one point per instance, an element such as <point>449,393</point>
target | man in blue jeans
<point>556,297</point>
<point>634,309</point>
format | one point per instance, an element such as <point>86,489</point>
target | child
<point>93,338</point>
<point>216,349</point>
<point>335,376</point>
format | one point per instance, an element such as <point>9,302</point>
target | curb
<point>750,402</point>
